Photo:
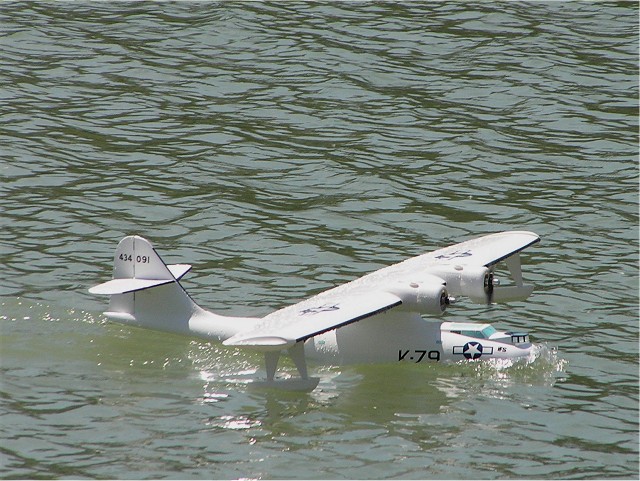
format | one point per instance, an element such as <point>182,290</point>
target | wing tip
<point>535,238</point>
<point>518,233</point>
<point>261,343</point>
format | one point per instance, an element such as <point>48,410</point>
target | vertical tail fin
<point>135,258</point>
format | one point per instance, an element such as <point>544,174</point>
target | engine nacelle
<point>474,282</point>
<point>426,296</point>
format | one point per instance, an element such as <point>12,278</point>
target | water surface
<point>284,149</point>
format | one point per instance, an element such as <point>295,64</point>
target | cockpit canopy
<point>478,331</point>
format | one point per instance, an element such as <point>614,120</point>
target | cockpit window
<point>489,331</point>
<point>485,333</point>
<point>476,334</point>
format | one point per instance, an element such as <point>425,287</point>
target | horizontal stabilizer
<point>122,286</point>
<point>179,270</point>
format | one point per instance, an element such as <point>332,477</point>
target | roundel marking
<point>472,350</point>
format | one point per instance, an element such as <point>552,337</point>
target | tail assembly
<point>137,266</point>
<point>145,291</point>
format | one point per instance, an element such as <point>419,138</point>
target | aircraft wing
<point>321,313</point>
<point>467,267</point>
<point>484,251</point>
<point>416,282</point>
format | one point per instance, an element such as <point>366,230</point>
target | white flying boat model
<point>376,318</point>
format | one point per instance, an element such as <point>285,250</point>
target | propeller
<point>489,283</point>
<point>446,299</point>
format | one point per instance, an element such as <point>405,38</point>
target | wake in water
<point>544,364</point>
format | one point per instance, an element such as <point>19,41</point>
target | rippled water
<point>283,149</point>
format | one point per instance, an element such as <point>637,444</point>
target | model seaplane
<point>376,318</point>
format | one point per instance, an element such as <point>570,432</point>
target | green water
<point>283,149</point>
